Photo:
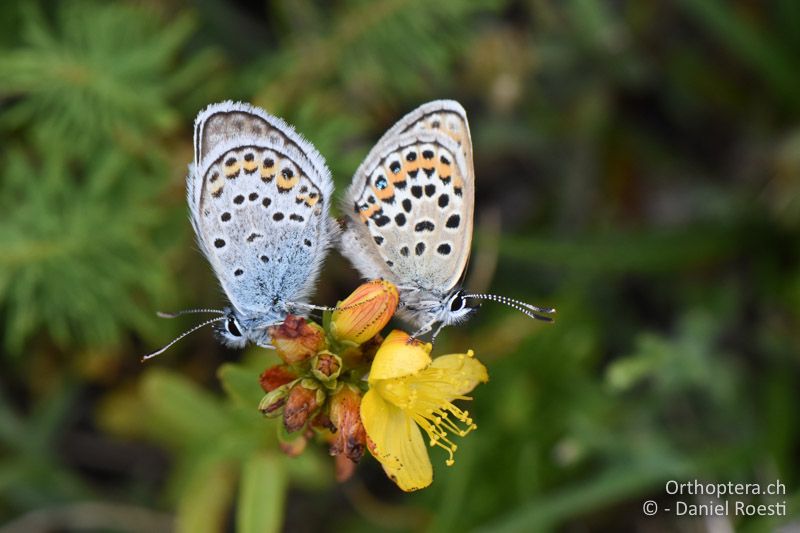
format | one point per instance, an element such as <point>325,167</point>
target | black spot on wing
<point>453,221</point>
<point>380,219</point>
<point>425,225</point>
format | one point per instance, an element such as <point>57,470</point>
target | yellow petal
<point>397,443</point>
<point>397,357</point>
<point>469,370</point>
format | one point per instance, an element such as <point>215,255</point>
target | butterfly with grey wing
<point>409,216</point>
<point>259,195</point>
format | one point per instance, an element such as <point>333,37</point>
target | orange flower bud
<point>303,400</point>
<point>345,468</point>
<point>365,312</point>
<point>275,376</point>
<point>326,366</point>
<point>272,404</point>
<point>350,437</point>
<point>292,446</point>
<point>296,340</point>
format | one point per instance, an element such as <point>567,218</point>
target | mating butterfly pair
<point>259,196</point>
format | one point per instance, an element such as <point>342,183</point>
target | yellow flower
<point>364,313</point>
<point>406,390</point>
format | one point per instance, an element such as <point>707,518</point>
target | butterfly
<point>409,217</point>
<point>259,196</point>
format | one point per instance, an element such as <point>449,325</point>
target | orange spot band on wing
<point>287,184</point>
<point>368,212</point>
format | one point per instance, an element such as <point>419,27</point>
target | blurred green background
<point>638,167</point>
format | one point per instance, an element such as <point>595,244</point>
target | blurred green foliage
<point>638,167</point>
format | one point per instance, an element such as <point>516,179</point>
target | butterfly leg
<point>436,333</point>
<point>421,331</point>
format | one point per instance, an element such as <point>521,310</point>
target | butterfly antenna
<point>182,335</point>
<point>188,312</point>
<point>525,308</point>
<point>310,307</point>
<point>324,307</point>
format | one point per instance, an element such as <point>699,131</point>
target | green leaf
<point>205,500</point>
<point>96,70</point>
<point>180,410</point>
<point>241,384</point>
<point>262,494</point>
<point>77,244</point>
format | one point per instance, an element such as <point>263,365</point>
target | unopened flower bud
<point>271,405</point>
<point>303,400</point>
<point>296,340</point>
<point>345,468</point>
<point>365,312</point>
<point>291,445</point>
<point>326,366</point>
<point>275,376</point>
<point>350,437</point>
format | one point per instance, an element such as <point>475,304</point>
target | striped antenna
<point>525,308</point>
<point>188,312</point>
<point>182,335</point>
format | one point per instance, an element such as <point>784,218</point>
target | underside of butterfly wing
<point>411,201</point>
<point>259,197</point>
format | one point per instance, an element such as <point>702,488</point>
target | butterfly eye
<point>233,329</point>
<point>457,304</point>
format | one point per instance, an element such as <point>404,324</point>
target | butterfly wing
<point>410,204</point>
<point>258,195</point>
